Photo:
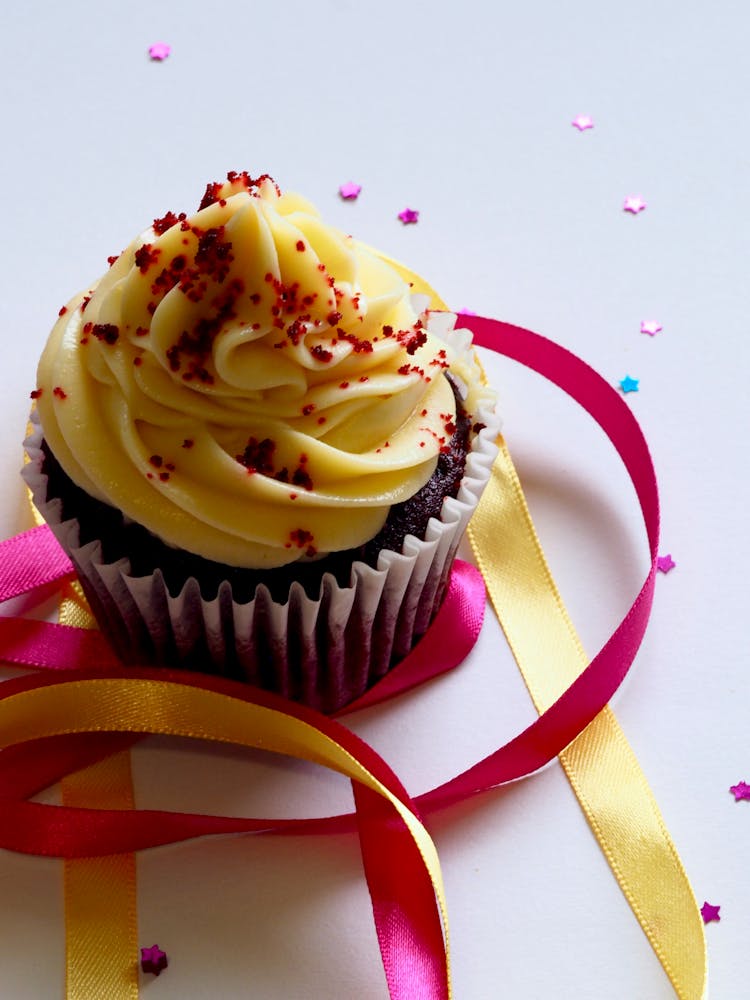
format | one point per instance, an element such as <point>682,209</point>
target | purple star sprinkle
<point>709,912</point>
<point>582,122</point>
<point>633,204</point>
<point>740,791</point>
<point>153,959</point>
<point>159,51</point>
<point>651,327</point>
<point>350,191</point>
<point>409,216</point>
<point>665,563</point>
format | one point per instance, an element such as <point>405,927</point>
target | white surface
<point>462,111</point>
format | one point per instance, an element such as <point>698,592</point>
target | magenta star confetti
<point>740,791</point>
<point>651,327</point>
<point>709,912</point>
<point>582,122</point>
<point>633,204</point>
<point>409,216</point>
<point>159,51</point>
<point>350,191</point>
<point>467,312</point>
<point>629,384</point>
<point>665,563</point>
<point>153,959</point>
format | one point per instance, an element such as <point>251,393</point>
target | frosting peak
<point>247,382</point>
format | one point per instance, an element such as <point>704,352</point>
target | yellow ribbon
<point>101,940</point>
<point>600,765</point>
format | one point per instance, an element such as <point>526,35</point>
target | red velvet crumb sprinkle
<point>145,256</point>
<point>167,221</point>
<point>106,332</point>
<point>35,393</point>
<point>301,537</point>
<point>60,392</point>
<point>320,353</point>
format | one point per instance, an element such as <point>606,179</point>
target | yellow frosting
<point>248,383</point>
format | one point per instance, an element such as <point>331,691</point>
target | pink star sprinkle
<point>709,912</point>
<point>153,959</point>
<point>633,204</point>
<point>665,563</point>
<point>409,216</point>
<point>740,791</point>
<point>350,191</point>
<point>159,51</point>
<point>582,122</point>
<point>651,327</point>
<point>466,312</point>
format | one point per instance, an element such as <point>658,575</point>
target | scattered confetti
<point>740,791</point>
<point>159,51</point>
<point>709,912</point>
<point>409,216</point>
<point>651,327</point>
<point>633,204</point>
<point>665,563</point>
<point>582,122</point>
<point>153,959</point>
<point>629,384</point>
<point>350,191</point>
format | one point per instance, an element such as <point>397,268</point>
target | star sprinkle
<point>665,563</point>
<point>350,191</point>
<point>633,204</point>
<point>153,959</point>
<point>740,791</point>
<point>467,312</point>
<point>709,912</point>
<point>159,51</point>
<point>629,384</point>
<point>582,122</point>
<point>409,216</point>
<point>651,327</point>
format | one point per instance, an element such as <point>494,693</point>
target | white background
<point>463,112</point>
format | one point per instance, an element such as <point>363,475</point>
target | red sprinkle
<point>301,537</point>
<point>63,310</point>
<point>300,245</point>
<point>35,393</point>
<point>156,461</point>
<point>106,332</point>
<point>145,256</point>
<point>188,443</point>
<point>59,392</point>
<point>167,221</point>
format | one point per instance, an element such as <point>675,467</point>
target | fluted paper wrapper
<point>324,652</point>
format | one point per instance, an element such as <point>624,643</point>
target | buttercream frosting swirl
<point>247,383</point>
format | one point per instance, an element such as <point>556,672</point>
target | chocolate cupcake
<point>258,451</point>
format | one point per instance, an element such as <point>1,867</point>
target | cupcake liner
<point>323,651</point>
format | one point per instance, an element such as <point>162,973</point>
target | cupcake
<point>259,450</point>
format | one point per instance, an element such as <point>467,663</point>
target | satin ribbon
<point>556,727</point>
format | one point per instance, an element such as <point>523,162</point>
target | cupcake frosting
<point>247,382</point>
